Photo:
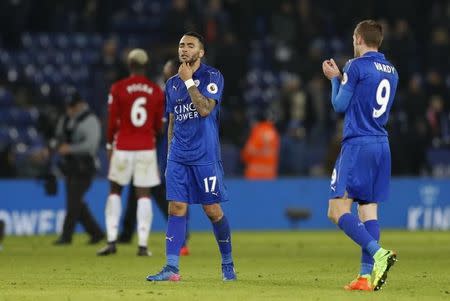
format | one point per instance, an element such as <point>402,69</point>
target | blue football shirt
<point>195,138</point>
<point>372,80</point>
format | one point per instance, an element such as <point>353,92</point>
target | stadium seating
<point>47,62</point>
<point>439,161</point>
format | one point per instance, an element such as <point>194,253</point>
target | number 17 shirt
<point>195,138</point>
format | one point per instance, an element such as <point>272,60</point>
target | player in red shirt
<point>135,106</point>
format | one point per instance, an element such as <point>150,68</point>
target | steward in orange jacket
<point>261,152</point>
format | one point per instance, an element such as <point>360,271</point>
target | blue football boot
<point>228,272</point>
<point>168,273</point>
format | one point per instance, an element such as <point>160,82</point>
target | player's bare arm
<point>170,130</point>
<point>330,69</point>
<point>203,104</point>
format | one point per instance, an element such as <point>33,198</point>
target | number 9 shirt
<point>363,169</point>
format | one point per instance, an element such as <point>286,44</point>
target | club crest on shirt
<point>344,79</point>
<point>196,82</point>
<point>212,88</point>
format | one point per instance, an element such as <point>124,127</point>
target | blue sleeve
<point>214,88</point>
<point>340,97</point>
<point>169,108</point>
<point>351,76</point>
<point>342,92</point>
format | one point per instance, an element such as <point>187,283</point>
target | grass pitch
<point>270,265</point>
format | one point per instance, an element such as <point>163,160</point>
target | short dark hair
<point>196,35</point>
<point>173,60</point>
<point>72,97</point>
<point>371,32</point>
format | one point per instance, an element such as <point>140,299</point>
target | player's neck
<point>195,65</point>
<point>137,73</point>
<point>364,50</point>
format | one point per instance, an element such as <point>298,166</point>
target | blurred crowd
<point>270,54</point>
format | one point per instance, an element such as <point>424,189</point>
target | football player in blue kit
<point>365,93</point>
<point>194,173</point>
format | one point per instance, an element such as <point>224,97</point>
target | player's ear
<point>201,53</point>
<point>359,39</point>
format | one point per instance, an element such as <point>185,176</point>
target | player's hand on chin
<point>330,69</point>
<point>185,71</point>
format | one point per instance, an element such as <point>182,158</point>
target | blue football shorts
<point>195,184</point>
<point>363,170</point>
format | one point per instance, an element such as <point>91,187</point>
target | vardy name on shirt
<point>384,68</point>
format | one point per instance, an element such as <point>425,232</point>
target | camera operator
<point>76,140</point>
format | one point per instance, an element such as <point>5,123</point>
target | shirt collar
<point>199,70</point>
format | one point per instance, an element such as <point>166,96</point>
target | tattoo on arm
<point>203,104</point>
<point>170,131</point>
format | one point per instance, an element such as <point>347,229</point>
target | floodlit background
<point>270,54</point>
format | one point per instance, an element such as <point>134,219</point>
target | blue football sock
<point>365,269</point>
<point>223,237</point>
<point>356,230</point>
<point>187,230</point>
<point>175,236</point>
<point>373,228</point>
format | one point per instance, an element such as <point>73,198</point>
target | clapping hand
<point>330,69</point>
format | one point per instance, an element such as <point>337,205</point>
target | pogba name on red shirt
<point>135,112</point>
